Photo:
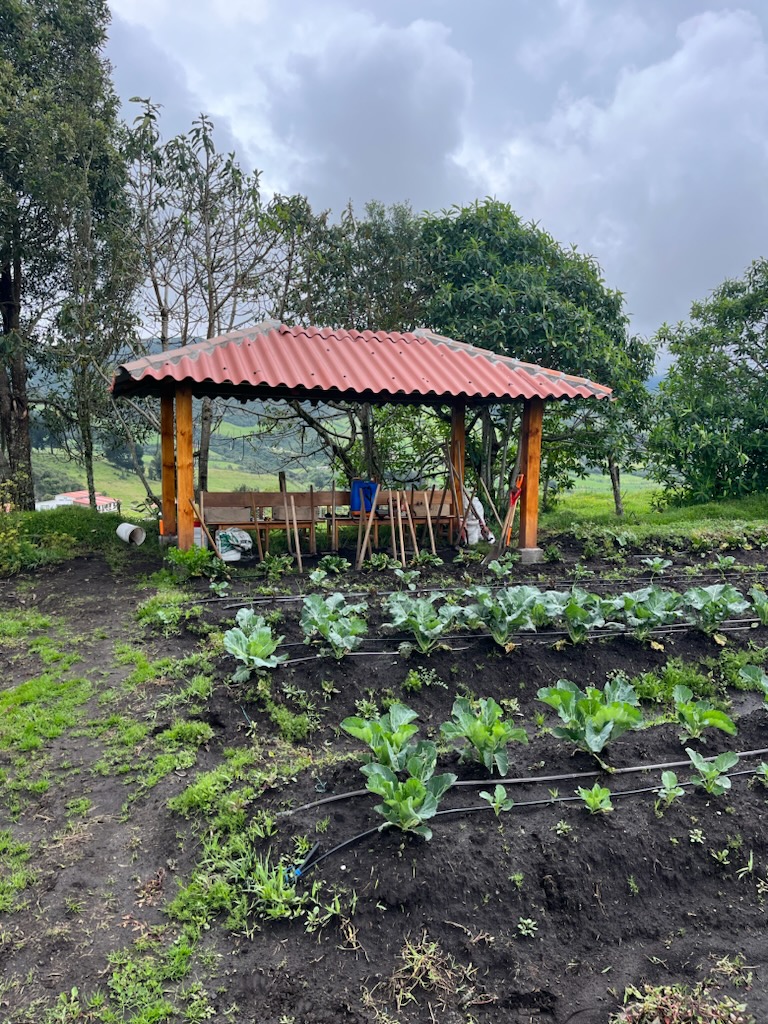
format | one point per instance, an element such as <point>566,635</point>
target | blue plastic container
<point>361,496</point>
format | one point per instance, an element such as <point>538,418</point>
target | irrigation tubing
<point>528,780</point>
<point>308,865</point>
<point>659,579</point>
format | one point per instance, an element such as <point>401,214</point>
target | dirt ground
<point>543,915</point>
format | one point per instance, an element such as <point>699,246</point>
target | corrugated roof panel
<point>314,362</point>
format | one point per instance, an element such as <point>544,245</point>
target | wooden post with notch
<point>185,483</point>
<point>530,465</point>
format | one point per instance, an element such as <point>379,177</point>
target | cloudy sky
<point>635,129</point>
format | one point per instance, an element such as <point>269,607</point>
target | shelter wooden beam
<point>168,455</point>
<point>530,465</point>
<point>185,483</point>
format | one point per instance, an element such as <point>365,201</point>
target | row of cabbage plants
<point>341,626</point>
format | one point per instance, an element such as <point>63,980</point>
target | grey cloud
<point>376,114</point>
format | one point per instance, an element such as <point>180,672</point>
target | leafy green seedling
<point>388,736</point>
<point>527,927</point>
<point>479,726</point>
<point>707,607</point>
<point>756,678</point>
<point>696,716</point>
<point>252,643</point>
<point>420,617</point>
<point>338,623</point>
<point>597,800</point>
<point>408,804</point>
<point>760,604</point>
<point>335,564</point>
<point>498,800</point>
<point>668,792</point>
<point>593,718</point>
<point>656,565</point>
<point>408,577</point>
<point>761,773</point>
<point>712,774</point>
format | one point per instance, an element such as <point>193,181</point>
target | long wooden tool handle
<point>369,524</point>
<point>199,515</point>
<point>490,501</point>
<point>411,529</point>
<point>296,535</point>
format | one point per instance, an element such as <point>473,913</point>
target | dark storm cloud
<point>386,115</point>
<point>636,129</point>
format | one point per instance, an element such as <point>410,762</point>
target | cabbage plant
<point>252,643</point>
<point>338,623</point>
<point>593,718</point>
<point>479,727</point>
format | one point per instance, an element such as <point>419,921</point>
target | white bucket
<point>131,534</point>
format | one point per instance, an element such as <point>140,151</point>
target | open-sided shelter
<point>271,361</point>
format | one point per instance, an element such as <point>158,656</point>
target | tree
<point>498,283</point>
<point>206,240</point>
<point>710,439</point>
<point>360,273</point>
<point>95,318</point>
<point>57,111</point>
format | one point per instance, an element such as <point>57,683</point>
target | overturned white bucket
<point>131,534</point>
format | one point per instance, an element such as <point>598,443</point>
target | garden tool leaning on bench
<point>505,535</point>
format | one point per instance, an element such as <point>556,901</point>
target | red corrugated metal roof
<point>418,367</point>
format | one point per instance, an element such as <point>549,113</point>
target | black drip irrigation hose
<point>308,864</point>
<point>551,585</point>
<point>525,780</point>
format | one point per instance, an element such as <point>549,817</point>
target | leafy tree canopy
<point>710,440</point>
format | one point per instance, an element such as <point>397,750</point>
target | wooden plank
<point>168,456</point>
<point>185,483</point>
<point>530,465</point>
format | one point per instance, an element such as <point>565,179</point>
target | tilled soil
<point>544,914</point>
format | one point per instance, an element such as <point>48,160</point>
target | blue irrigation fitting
<point>297,872</point>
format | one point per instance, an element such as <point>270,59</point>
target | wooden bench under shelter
<point>265,511</point>
<point>261,512</point>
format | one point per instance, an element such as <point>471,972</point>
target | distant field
<point>127,488</point>
<point>591,499</point>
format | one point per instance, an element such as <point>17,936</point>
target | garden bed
<point>142,793</point>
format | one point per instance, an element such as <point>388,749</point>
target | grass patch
<point>39,710</point>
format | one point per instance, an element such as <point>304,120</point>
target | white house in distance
<point>103,503</point>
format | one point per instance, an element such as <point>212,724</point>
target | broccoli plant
<point>498,800</point>
<point>338,623</point>
<point>503,613</point>
<point>707,607</point>
<point>478,725</point>
<point>667,793</point>
<point>388,736</point>
<point>597,800</point>
<point>419,616</point>
<point>712,775</point>
<point>696,716</point>
<point>647,609</point>
<point>407,804</point>
<point>760,604</point>
<point>592,718</point>
<point>252,642</point>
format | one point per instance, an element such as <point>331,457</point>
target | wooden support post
<point>185,483</point>
<point>530,465</point>
<point>168,456</point>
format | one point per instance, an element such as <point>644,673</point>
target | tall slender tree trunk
<point>615,473</point>
<point>14,408</point>
<point>206,427</point>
